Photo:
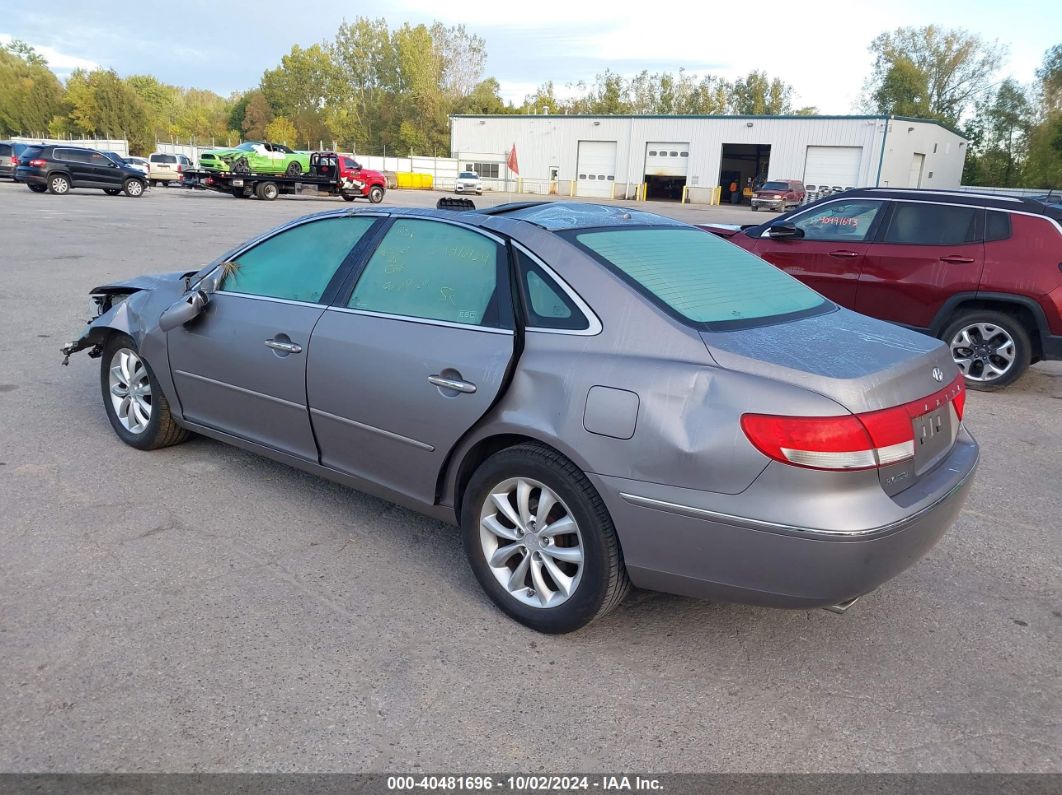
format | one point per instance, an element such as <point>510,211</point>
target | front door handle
<point>286,347</point>
<point>452,383</point>
<point>844,254</point>
<point>955,258</point>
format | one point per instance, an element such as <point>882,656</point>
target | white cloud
<point>60,62</point>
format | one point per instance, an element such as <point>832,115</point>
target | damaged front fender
<point>131,307</point>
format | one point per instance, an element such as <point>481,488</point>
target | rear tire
<point>294,168</point>
<point>983,342</point>
<point>38,188</point>
<point>130,390</point>
<point>267,191</point>
<point>348,197</point>
<point>376,194</point>
<point>596,579</point>
<point>59,184</point>
<point>112,191</point>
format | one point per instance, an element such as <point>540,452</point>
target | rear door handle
<point>844,254</point>
<point>451,383</point>
<point>956,259</point>
<point>287,347</point>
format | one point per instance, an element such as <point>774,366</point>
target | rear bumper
<point>30,175</point>
<point>699,549</point>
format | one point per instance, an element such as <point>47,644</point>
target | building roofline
<point>875,117</point>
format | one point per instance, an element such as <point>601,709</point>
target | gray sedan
<point>598,397</point>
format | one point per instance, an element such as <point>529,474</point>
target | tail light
<point>180,168</point>
<point>14,160</point>
<point>851,441</point>
<point>38,163</point>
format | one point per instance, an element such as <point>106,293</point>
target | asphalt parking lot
<point>202,609</point>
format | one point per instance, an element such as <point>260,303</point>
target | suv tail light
<point>180,168</point>
<point>38,163</point>
<point>851,441</point>
<point>14,160</point>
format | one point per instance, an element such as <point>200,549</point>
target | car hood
<point>859,362</point>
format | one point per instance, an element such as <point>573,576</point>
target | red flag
<point>511,162</point>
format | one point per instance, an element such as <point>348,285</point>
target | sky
<point>818,48</point>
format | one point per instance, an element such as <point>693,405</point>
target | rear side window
<point>298,263</point>
<point>546,303</point>
<point>701,277</point>
<point>997,226</point>
<point>72,155</point>
<point>434,271</point>
<point>933,224</point>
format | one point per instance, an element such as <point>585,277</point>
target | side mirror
<point>184,311</point>
<point>784,231</point>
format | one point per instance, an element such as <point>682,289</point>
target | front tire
<point>59,184</point>
<point>992,349</point>
<point>376,194</point>
<point>540,540</point>
<point>134,401</point>
<point>133,188</point>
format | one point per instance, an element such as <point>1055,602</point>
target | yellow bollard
<point>685,192</point>
<point>572,191</point>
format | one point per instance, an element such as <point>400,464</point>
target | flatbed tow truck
<point>330,173</point>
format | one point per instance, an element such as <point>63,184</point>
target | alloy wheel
<point>60,185</point>
<point>531,542</point>
<point>134,187</point>
<point>983,351</point>
<point>130,389</point>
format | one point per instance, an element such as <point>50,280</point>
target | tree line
<point>374,89</point>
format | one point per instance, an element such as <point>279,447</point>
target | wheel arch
<point>465,461</point>
<point>1024,310</point>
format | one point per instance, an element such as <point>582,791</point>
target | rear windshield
<point>163,159</point>
<point>30,152</point>
<point>5,149</point>
<point>775,186</point>
<point>701,277</point>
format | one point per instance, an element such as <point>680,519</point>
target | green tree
<point>930,71</point>
<point>544,100</point>
<point>301,88</point>
<point>102,105</point>
<point>1043,165</point>
<point>758,95</point>
<point>30,95</point>
<point>257,116</point>
<point>281,130</point>
<point>484,98</point>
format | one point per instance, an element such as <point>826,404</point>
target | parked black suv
<point>9,154</point>
<point>57,169</point>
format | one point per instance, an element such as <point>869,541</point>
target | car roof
<point>997,201</point>
<point>561,216</point>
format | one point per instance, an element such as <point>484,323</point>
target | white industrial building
<point>613,156</point>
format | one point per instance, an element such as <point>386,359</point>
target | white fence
<point>119,145</point>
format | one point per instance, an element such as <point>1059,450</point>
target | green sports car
<point>256,157</point>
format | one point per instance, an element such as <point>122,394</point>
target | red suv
<point>777,194</point>
<point>981,272</point>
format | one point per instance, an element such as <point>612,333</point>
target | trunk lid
<point>860,363</point>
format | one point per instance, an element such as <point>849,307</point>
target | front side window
<point>434,271</point>
<point>298,263</point>
<point>933,224</point>
<point>699,276</point>
<point>841,220</point>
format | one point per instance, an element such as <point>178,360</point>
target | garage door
<point>834,166</point>
<point>596,169</point>
<point>667,159</point>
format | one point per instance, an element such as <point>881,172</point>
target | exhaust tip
<point>842,607</point>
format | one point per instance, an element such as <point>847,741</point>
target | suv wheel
<point>540,540</point>
<point>59,184</point>
<point>991,348</point>
<point>134,188</point>
<point>38,188</point>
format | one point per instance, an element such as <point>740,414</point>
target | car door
<point>241,366</point>
<point>76,162</point>
<point>925,254</point>
<point>829,256</point>
<point>103,171</point>
<point>414,356</point>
